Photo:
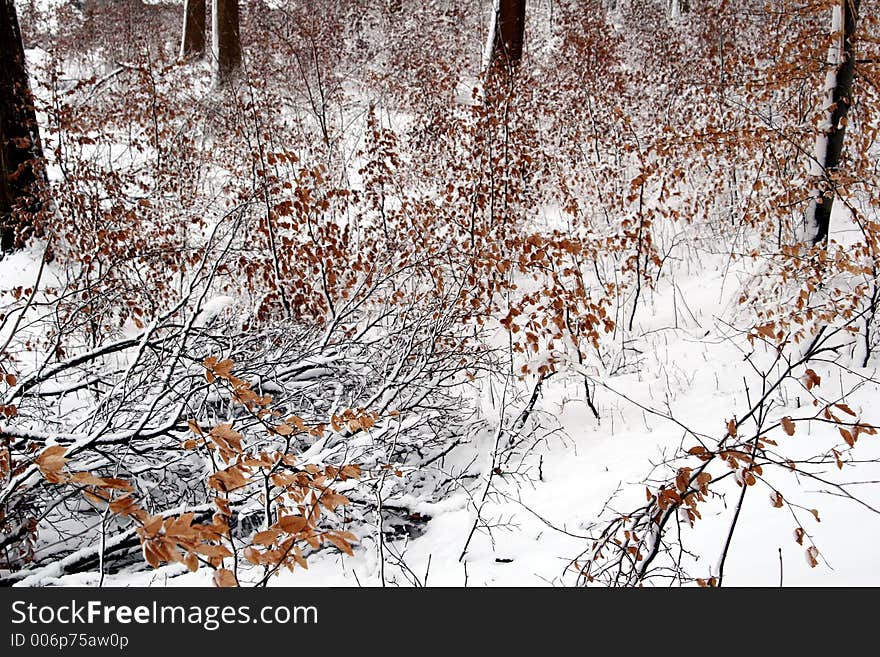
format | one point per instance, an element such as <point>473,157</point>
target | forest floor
<point>608,430</point>
<point>684,364</point>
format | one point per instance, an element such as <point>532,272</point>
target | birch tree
<point>838,100</point>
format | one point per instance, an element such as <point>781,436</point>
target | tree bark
<point>679,7</point>
<point>829,144</point>
<point>194,19</point>
<point>508,33</point>
<point>21,166</point>
<point>226,40</point>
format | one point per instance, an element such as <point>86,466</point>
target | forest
<point>439,293</point>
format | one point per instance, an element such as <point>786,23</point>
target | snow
<point>682,373</point>
<point>541,526</point>
<point>213,307</point>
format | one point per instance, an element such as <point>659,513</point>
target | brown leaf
<point>846,409</point>
<point>682,479</point>
<point>266,538</point>
<point>352,471</point>
<point>113,482</point>
<point>703,480</point>
<point>788,425</point>
<point>51,459</point>
<point>812,556</point>
<point>191,561</point>
<point>223,504</point>
<point>253,555</point>
<point>211,551</point>
<point>181,527</point>
<point>299,558</point>
<point>339,542</point>
<point>291,524</point>
<point>223,368</point>
<point>701,453</point>
<point>331,499</point>
<point>766,330</point>
<point>123,505</point>
<point>226,437</point>
<point>95,499</point>
<point>86,479</point>
<point>224,578</point>
<point>227,480</point>
<point>312,540</point>
<point>152,525</point>
<point>151,554</point>
<point>283,430</point>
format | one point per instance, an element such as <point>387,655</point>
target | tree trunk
<point>21,167</point>
<point>193,43</point>
<point>679,7</point>
<point>508,30</point>
<point>226,40</point>
<point>829,143</point>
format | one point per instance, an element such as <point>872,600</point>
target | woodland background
<point>455,292</point>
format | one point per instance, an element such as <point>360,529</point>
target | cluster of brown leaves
<point>300,494</point>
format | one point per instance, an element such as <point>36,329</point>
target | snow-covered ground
<point>542,525</point>
<point>684,370</point>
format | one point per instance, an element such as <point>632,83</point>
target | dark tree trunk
<point>21,167</point>
<point>226,41</point>
<point>193,43</point>
<point>841,96</point>
<point>507,40</point>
